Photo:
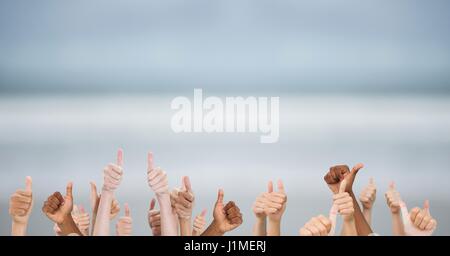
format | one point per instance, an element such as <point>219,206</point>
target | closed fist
<point>317,226</point>
<point>81,219</point>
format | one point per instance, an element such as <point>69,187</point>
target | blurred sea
<point>57,139</point>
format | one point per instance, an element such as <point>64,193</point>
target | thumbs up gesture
<point>81,218</point>
<point>124,224</point>
<point>21,203</point>
<point>344,202</point>
<point>418,222</point>
<point>156,177</point>
<point>183,202</point>
<point>275,201</point>
<point>58,208</point>
<point>320,225</point>
<point>113,173</point>
<point>338,173</point>
<point>226,217</point>
<point>368,195</point>
<point>154,219</point>
<point>393,199</point>
<point>199,223</point>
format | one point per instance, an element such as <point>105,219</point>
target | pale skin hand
<point>393,201</point>
<point>275,207</point>
<point>95,200</point>
<point>199,224</point>
<point>317,226</point>
<point>124,226</point>
<point>20,206</point>
<point>344,205</point>
<point>367,199</point>
<point>334,177</point>
<point>81,218</point>
<point>259,229</point>
<point>58,209</point>
<point>154,219</point>
<point>183,202</point>
<point>157,180</point>
<point>226,217</point>
<point>112,178</point>
<point>418,222</point>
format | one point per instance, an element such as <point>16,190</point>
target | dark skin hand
<point>226,218</point>
<point>333,178</point>
<point>58,209</point>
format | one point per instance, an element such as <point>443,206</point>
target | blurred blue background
<point>359,81</point>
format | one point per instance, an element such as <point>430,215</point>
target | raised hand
<point>158,182</point>
<point>112,178</point>
<point>81,218</point>
<point>393,199</point>
<point>344,205</point>
<point>368,195</point>
<point>95,199</point>
<point>156,177</point>
<point>367,199</point>
<point>226,217</point>
<point>338,173</point>
<point>199,224</point>
<point>20,206</point>
<point>124,224</point>
<point>112,173</point>
<point>58,209</point>
<point>184,201</point>
<point>334,178</point>
<point>418,222</point>
<point>275,202</point>
<point>154,219</point>
<point>317,226</point>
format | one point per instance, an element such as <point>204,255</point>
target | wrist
<point>215,227</point>
<point>275,220</point>
<point>19,228</point>
<point>261,219</point>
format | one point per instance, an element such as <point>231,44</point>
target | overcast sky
<point>136,45</point>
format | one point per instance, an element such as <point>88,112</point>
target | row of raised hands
<point>174,216</point>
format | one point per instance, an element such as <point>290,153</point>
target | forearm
<point>68,226</point>
<point>212,230</point>
<point>101,226</point>
<point>168,217</point>
<point>349,227</point>
<point>19,229</point>
<point>397,225</point>
<point>274,228</point>
<point>94,217</point>
<point>368,215</point>
<point>362,227</point>
<point>185,227</point>
<point>259,229</point>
